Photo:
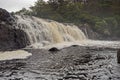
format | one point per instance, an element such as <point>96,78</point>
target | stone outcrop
<point>89,32</point>
<point>118,56</point>
<point>10,38</point>
<point>54,49</point>
<point>6,17</point>
<point>92,34</point>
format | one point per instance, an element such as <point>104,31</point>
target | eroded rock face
<point>10,38</point>
<point>6,17</point>
<point>118,56</point>
<point>89,32</point>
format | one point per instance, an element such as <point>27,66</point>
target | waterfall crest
<point>48,32</point>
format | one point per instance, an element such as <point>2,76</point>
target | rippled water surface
<point>97,61</point>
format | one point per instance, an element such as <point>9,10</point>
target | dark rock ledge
<point>10,37</point>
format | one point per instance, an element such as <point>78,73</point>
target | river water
<point>70,63</point>
<point>78,57</point>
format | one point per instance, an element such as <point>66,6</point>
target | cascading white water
<point>42,33</point>
<point>47,31</point>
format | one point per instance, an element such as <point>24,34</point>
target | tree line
<point>103,16</point>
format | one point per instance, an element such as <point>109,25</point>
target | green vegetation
<point>102,16</point>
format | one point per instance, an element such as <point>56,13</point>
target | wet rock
<point>89,32</point>
<point>74,45</point>
<point>53,49</point>
<point>82,77</point>
<point>83,59</point>
<point>71,77</point>
<point>6,16</point>
<point>35,69</point>
<point>87,55</point>
<point>100,57</point>
<point>118,56</point>
<point>75,77</point>
<point>11,38</point>
<point>16,79</point>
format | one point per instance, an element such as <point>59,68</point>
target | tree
<point>23,11</point>
<point>102,15</point>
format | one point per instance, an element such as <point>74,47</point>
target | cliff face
<point>10,38</point>
<point>89,32</point>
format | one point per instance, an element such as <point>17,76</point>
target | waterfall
<point>48,32</point>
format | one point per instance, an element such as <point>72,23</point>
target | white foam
<point>21,54</point>
<point>96,43</point>
<point>18,54</point>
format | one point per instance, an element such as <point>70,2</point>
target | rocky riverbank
<point>11,37</point>
<point>72,63</point>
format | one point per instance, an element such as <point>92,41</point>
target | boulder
<point>5,16</point>
<point>53,49</point>
<point>10,37</point>
<point>75,45</point>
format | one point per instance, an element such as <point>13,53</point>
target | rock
<point>34,68</point>
<point>71,77</point>
<point>6,16</point>
<point>86,58</point>
<point>118,56</point>
<point>89,32</point>
<point>75,77</point>
<point>100,57</point>
<point>53,49</point>
<point>87,55</point>
<point>10,37</point>
<point>81,61</point>
<point>74,45</point>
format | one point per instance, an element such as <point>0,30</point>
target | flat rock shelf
<point>72,63</point>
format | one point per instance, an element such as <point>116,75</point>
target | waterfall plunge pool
<point>21,54</point>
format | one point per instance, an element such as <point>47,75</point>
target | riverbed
<point>71,63</point>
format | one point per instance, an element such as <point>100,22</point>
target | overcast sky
<point>15,5</point>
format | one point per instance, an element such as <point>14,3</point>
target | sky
<point>15,5</point>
